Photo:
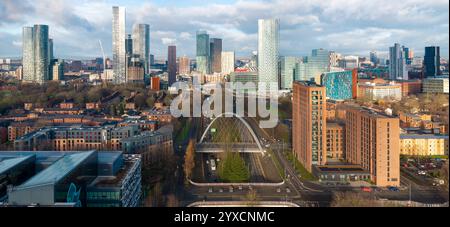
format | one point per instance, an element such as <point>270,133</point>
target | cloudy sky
<point>346,26</point>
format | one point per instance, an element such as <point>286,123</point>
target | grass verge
<point>299,167</point>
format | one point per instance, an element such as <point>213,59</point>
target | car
<point>221,190</point>
<point>231,189</point>
<point>377,189</point>
<point>240,187</point>
<point>278,190</point>
<point>210,190</point>
<point>421,172</point>
<point>366,189</point>
<point>288,190</point>
<point>393,189</point>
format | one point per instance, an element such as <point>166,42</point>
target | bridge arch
<point>242,120</point>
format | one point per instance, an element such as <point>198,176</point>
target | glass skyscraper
<point>268,44</point>
<point>37,52</point>
<point>397,63</point>
<point>172,64</point>
<point>28,54</point>
<point>203,52</point>
<point>313,66</point>
<point>129,45</point>
<point>216,55</point>
<point>431,61</point>
<point>41,53</point>
<point>118,45</point>
<point>288,71</point>
<point>141,44</point>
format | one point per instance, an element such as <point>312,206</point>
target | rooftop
<point>307,83</point>
<point>108,181</point>
<point>423,136</point>
<point>9,163</point>
<point>58,170</point>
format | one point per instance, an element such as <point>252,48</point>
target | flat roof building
<point>423,144</point>
<point>372,141</point>
<point>75,179</point>
<point>435,85</point>
<point>309,123</point>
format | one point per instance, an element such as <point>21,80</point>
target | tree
<point>140,101</point>
<point>121,108</point>
<point>233,168</point>
<point>444,174</point>
<point>113,110</point>
<point>167,100</point>
<point>172,201</point>
<point>189,160</point>
<point>157,195</point>
<point>150,101</point>
<point>252,198</point>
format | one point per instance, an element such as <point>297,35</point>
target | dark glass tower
<point>431,61</point>
<point>172,64</point>
<point>216,55</point>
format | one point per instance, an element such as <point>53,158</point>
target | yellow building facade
<point>423,144</point>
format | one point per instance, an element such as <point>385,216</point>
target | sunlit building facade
<point>141,44</point>
<point>118,46</point>
<point>203,53</point>
<point>228,59</point>
<point>268,45</point>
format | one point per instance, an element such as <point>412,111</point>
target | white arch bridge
<point>229,132</point>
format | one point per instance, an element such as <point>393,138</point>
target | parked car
<point>393,189</point>
<point>366,189</point>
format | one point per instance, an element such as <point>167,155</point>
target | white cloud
<point>168,41</point>
<point>352,26</point>
<point>185,35</point>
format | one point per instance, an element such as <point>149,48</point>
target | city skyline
<point>304,26</point>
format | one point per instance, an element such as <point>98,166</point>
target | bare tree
<point>172,201</point>
<point>189,160</point>
<point>252,198</point>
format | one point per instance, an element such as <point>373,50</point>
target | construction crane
<point>103,53</point>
